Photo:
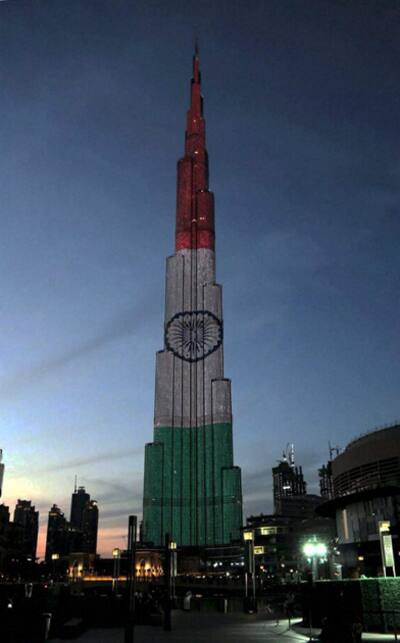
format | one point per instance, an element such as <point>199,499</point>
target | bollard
<point>28,588</point>
<point>187,600</point>
<point>310,623</point>
<point>46,625</point>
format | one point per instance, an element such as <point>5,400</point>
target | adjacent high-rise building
<point>288,480</point>
<point>90,523</point>
<point>57,541</point>
<point>26,518</point>
<point>79,500</point>
<point>192,490</point>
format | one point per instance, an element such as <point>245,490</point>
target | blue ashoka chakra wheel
<point>194,335</point>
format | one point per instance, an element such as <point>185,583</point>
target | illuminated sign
<point>388,550</point>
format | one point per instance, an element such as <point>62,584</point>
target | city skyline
<point>306,180</point>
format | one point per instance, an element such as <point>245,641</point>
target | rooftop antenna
<point>291,455</point>
<point>76,483</point>
<point>333,451</point>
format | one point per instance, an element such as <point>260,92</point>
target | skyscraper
<point>79,500</point>
<point>90,522</point>
<point>4,517</point>
<point>84,522</point>
<point>26,518</point>
<point>288,480</point>
<point>192,490</point>
<point>57,541</point>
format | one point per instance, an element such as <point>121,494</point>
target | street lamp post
<point>117,562</point>
<point>131,580</point>
<point>314,551</point>
<point>54,558</point>
<point>169,575</point>
<point>173,567</point>
<point>248,536</point>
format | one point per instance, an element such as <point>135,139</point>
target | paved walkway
<point>197,627</point>
<point>211,627</point>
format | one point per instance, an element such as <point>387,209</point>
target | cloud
<point>125,324</point>
<point>255,480</point>
<point>112,535</point>
<point>122,511</point>
<point>117,499</point>
<point>254,506</point>
<point>106,456</point>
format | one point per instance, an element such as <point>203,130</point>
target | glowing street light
<point>249,537</point>
<point>315,551</point>
<point>116,571</point>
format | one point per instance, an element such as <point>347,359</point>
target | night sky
<point>302,112</point>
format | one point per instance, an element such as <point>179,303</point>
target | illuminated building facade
<point>366,483</point>
<point>192,490</point>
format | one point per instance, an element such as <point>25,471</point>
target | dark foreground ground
<point>195,627</point>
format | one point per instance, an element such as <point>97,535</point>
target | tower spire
<point>195,203</point>
<point>196,64</point>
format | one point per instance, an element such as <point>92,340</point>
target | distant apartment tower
<point>1,471</point>
<point>90,523</point>
<point>79,501</point>
<point>4,517</point>
<point>288,480</point>
<point>57,541</point>
<point>26,518</point>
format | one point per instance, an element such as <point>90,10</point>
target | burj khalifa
<point>192,490</point>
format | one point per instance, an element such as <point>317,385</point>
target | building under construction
<point>288,480</point>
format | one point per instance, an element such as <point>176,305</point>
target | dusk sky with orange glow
<point>301,103</point>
